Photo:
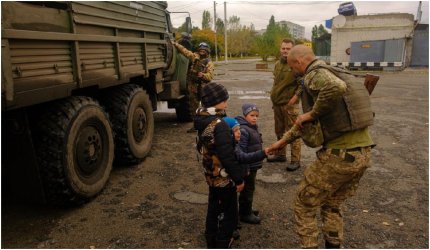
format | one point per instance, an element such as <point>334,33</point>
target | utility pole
<point>225,32</point>
<point>419,12</point>
<point>216,47</point>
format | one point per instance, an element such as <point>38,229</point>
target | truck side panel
<point>54,51</point>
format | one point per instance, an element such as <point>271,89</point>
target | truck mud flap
<point>171,91</point>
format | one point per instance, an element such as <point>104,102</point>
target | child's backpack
<point>215,174</point>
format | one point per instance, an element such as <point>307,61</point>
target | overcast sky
<point>305,13</point>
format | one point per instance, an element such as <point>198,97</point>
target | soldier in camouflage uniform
<point>201,72</point>
<point>285,95</point>
<point>341,161</point>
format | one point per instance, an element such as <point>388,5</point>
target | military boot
<point>329,245</point>
<point>276,158</point>
<point>293,166</point>
<point>191,130</point>
<point>236,234</point>
<point>250,218</point>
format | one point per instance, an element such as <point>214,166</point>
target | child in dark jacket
<point>244,158</point>
<point>250,141</point>
<point>222,170</point>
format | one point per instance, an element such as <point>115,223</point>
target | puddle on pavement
<point>253,97</point>
<point>191,197</point>
<point>273,178</point>
<point>250,94</point>
<point>247,92</point>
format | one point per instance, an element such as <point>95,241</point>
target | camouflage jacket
<point>311,134</point>
<point>285,84</point>
<point>208,68</point>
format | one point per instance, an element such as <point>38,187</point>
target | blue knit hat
<point>248,107</point>
<point>232,123</point>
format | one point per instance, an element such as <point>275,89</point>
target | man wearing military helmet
<point>201,71</point>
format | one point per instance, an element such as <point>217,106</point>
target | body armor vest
<point>353,113</point>
<point>215,174</point>
<point>198,65</point>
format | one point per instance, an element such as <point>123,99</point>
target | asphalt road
<point>161,203</point>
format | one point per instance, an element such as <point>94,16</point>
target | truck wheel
<point>75,148</point>
<point>183,111</point>
<point>131,114</point>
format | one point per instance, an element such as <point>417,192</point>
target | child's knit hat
<point>232,123</point>
<point>213,93</point>
<point>248,107</point>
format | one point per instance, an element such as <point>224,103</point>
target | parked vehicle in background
<point>80,82</point>
<point>347,9</point>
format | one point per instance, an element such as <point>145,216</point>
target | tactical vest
<point>215,174</point>
<point>198,65</point>
<point>353,113</point>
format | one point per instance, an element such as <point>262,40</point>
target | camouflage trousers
<point>285,116</point>
<point>193,98</point>
<point>327,183</point>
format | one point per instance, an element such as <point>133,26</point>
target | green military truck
<point>80,82</point>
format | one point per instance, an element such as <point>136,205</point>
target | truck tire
<point>131,114</point>
<point>183,111</point>
<point>75,148</point>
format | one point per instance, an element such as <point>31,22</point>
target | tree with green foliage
<point>317,32</point>
<point>182,28</point>
<point>321,30</point>
<point>314,32</point>
<point>239,37</point>
<point>206,20</point>
<point>220,26</point>
<point>233,35</point>
<point>268,44</point>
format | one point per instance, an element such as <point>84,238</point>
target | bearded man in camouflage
<point>344,155</point>
<point>285,95</point>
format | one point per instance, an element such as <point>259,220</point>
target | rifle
<point>370,82</point>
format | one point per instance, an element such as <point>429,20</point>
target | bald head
<point>302,51</point>
<point>300,57</point>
